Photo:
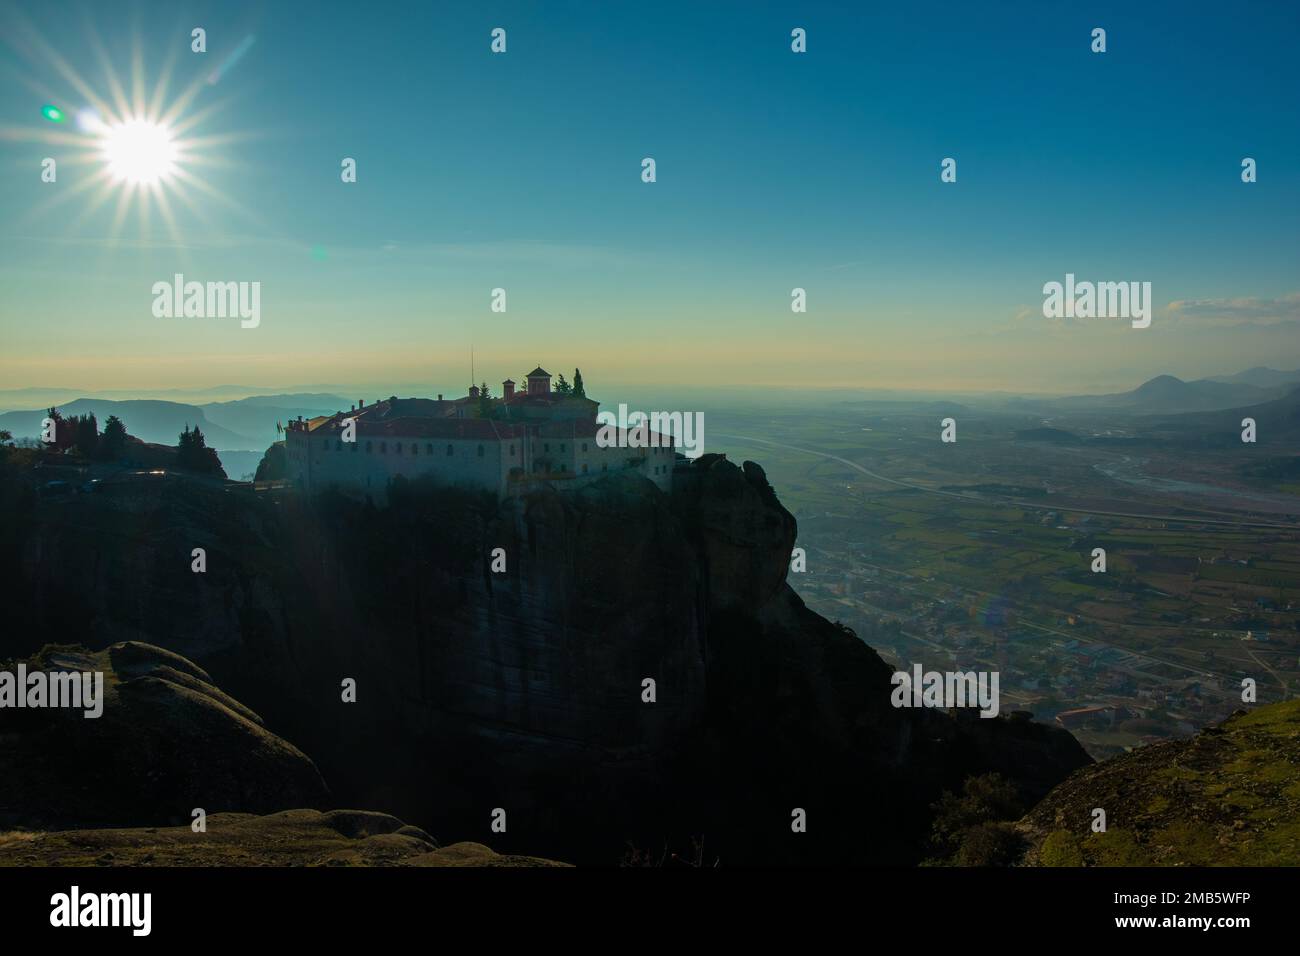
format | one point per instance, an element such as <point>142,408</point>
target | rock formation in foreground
<point>167,742</point>
<point>288,838</point>
<point>1230,796</point>
<point>524,690</point>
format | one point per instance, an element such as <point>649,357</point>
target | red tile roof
<point>483,429</point>
<point>588,428</point>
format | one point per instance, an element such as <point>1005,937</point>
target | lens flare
<point>52,113</point>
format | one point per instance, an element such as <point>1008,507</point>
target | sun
<point>139,152</point>
<point>118,141</point>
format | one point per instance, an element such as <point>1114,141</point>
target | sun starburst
<point>141,150</point>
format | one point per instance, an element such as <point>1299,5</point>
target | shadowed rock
<point>473,684</point>
<point>168,741</point>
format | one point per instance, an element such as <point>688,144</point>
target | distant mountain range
<point>1260,377</point>
<point>33,398</point>
<point>247,424</point>
<point>1277,421</point>
<point>1166,394</point>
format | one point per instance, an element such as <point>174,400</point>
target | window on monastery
<point>450,452</point>
<point>561,446</point>
<point>368,447</point>
<point>397,447</point>
<point>547,448</point>
<point>584,469</point>
<point>480,451</point>
<point>383,448</point>
<point>338,446</point>
<point>354,445</point>
<point>428,448</point>
<point>584,446</point>
<point>512,451</point>
<point>604,467</point>
<point>415,448</point>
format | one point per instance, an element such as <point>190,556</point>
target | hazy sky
<point>775,170</point>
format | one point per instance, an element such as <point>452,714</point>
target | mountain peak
<point>1161,383</point>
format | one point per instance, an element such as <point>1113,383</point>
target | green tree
<point>274,464</point>
<point>64,435</point>
<point>193,453</point>
<point>484,401</point>
<point>985,799</point>
<point>112,444</point>
<point>562,387</point>
<point>578,390</point>
<point>85,434</point>
<point>990,844</point>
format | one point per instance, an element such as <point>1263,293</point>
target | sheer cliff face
<point>523,689</point>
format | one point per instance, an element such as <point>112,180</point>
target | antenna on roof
<point>471,363</point>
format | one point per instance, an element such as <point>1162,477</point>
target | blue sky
<point>774,170</point>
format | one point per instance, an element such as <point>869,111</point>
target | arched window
<point>512,451</point>
<point>338,446</point>
<point>383,448</point>
<point>449,451</point>
<point>584,446</point>
<point>428,448</point>
<point>480,451</point>
<point>415,448</point>
<point>397,447</point>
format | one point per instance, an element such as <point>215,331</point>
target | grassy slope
<point>1228,796</point>
<point>289,838</point>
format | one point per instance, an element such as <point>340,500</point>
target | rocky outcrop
<point>167,742</point>
<point>526,689</point>
<point>289,838</point>
<point>1230,796</point>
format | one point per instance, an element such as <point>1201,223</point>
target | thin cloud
<point>1235,312</point>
